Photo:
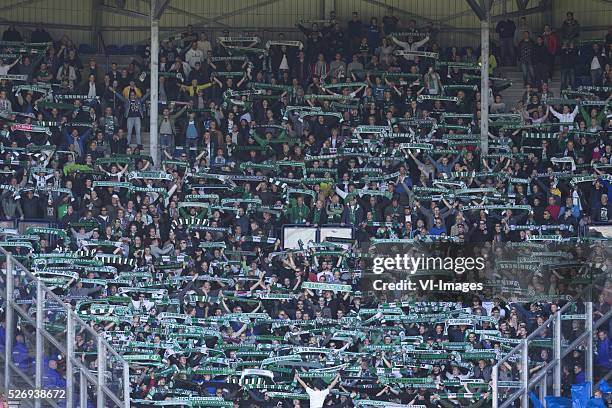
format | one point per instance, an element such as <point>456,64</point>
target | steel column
<point>525,374</point>
<point>328,7</point>
<point>542,391</point>
<point>126,385</point>
<point>484,83</point>
<point>101,372</point>
<point>82,390</point>
<point>557,354</point>
<point>69,360</point>
<point>589,342</point>
<point>96,23</point>
<point>9,328</point>
<point>40,314</point>
<point>495,388</point>
<point>153,132</point>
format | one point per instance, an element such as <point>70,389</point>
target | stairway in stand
<point>513,94</point>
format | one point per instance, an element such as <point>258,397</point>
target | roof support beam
<point>197,17</point>
<point>477,9</point>
<point>160,7</point>
<point>241,11</point>
<point>408,13</point>
<point>96,23</point>
<point>124,12</point>
<point>19,4</point>
<point>522,4</point>
<point>520,13</point>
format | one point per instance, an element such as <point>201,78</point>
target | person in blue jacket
<point>603,358</point>
<point>78,140</point>
<point>21,357</point>
<point>579,377</point>
<point>52,379</point>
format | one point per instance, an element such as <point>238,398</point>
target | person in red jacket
<point>552,45</point>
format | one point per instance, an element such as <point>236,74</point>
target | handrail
<point>555,364</point>
<point>536,331</point>
<point>103,43</point>
<point>67,309</point>
<point>45,294</point>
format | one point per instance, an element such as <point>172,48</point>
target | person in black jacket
<point>40,35</point>
<point>30,205</point>
<point>596,65</point>
<point>506,30</point>
<point>11,34</point>
<point>568,59</point>
<point>540,60</point>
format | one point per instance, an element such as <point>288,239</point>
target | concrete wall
<point>268,17</point>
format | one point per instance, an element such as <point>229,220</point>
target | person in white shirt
<point>204,45</point>
<point>597,65</point>
<point>411,45</point>
<point>316,396</point>
<point>194,55</point>
<point>565,117</point>
<point>5,104</point>
<point>5,68</point>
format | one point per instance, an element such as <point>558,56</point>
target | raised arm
<point>574,112</point>
<point>554,112</point>
<point>400,43</point>
<point>300,381</point>
<point>121,98</point>
<point>422,42</point>
<point>333,383</point>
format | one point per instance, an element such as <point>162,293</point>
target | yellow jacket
<point>194,90</point>
<point>492,63</point>
<point>126,92</point>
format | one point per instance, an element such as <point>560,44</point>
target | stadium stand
<point>185,267</point>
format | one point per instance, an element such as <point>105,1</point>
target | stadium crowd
<point>181,266</point>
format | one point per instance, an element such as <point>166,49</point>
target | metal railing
<point>34,314</point>
<point>541,379</point>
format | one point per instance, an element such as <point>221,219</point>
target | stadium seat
<point>86,49</point>
<point>112,49</point>
<point>140,49</point>
<point>127,50</point>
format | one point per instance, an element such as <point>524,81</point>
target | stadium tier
<point>318,219</point>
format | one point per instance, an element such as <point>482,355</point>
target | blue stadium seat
<point>112,49</point>
<point>583,79</point>
<point>140,49</point>
<point>127,50</point>
<point>86,49</point>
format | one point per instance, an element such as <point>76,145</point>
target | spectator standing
<point>40,35</point>
<point>598,62</point>
<point>540,60</point>
<point>355,29</point>
<point>390,22</point>
<point>568,59</point>
<point>552,46</point>
<point>506,30</point>
<point>134,112</point>
<point>204,45</point>
<point>194,55</point>
<point>522,27</point>
<point>570,30</point>
<point>373,33</point>
<point>525,57</point>
<point>11,34</point>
